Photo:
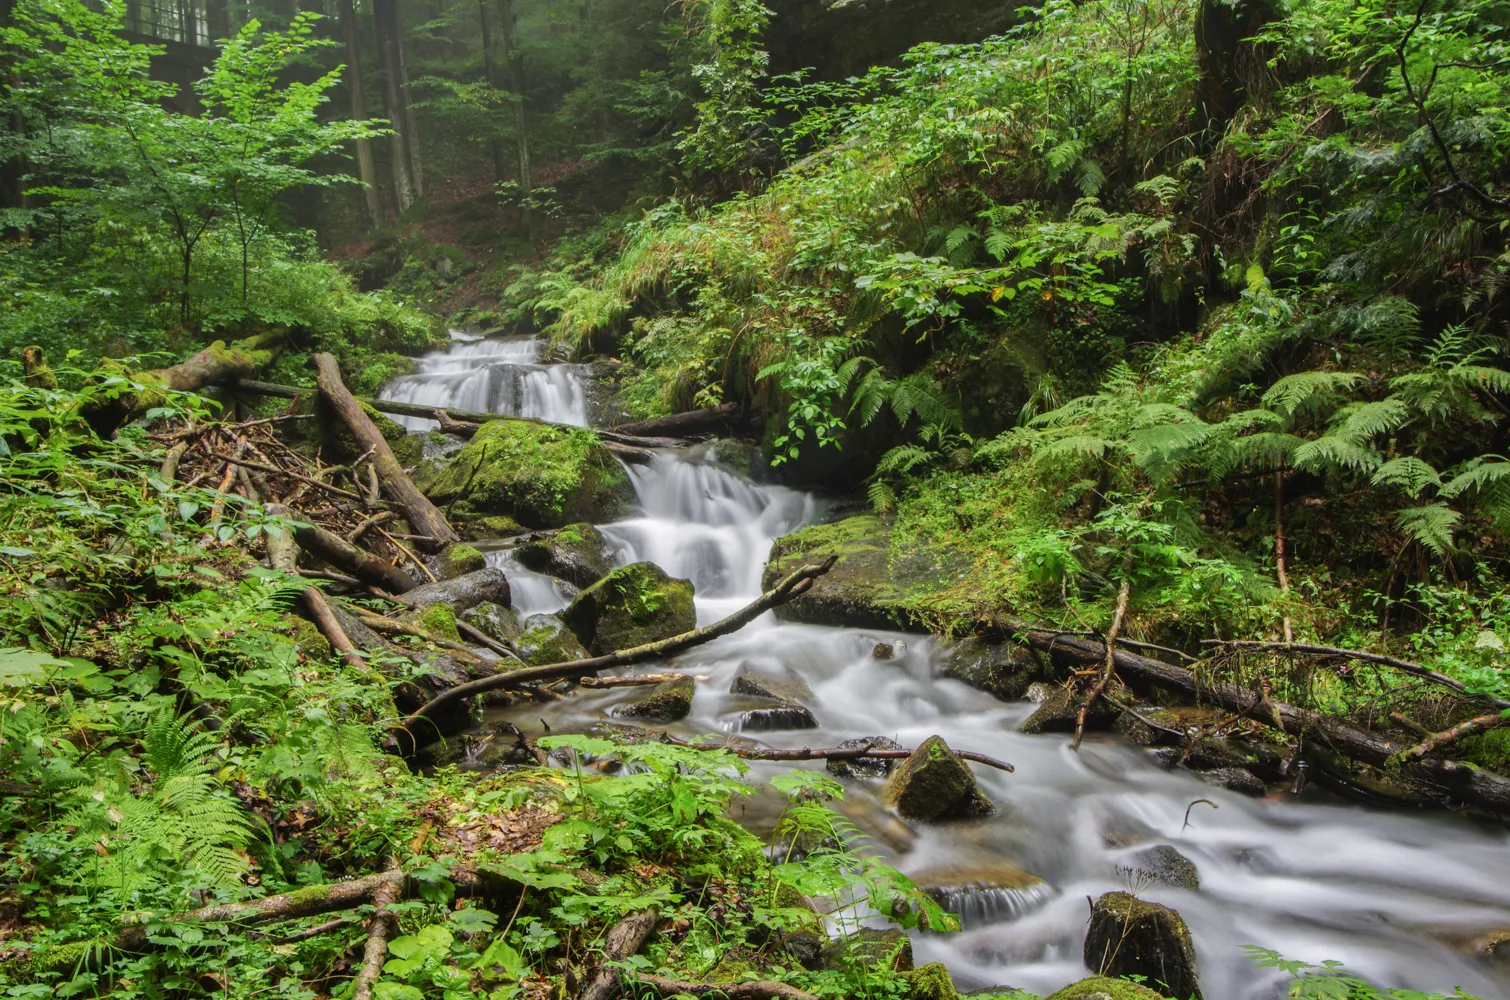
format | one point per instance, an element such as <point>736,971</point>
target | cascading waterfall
<point>492,376</point>
<point>1399,898</point>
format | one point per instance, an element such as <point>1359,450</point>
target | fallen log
<point>829,753</point>
<point>1469,727</point>
<point>622,940</point>
<point>690,423</point>
<point>635,680</point>
<point>358,562</point>
<point>755,989</point>
<point>420,512</point>
<point>376,949</point>
<point>1447,778</point>
<point>796,584</point>
<point>283,554</point>
<point>214,365</point>
<point>461,593</point>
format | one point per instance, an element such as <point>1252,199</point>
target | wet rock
<point>1211,755</point>
<point>1493,946</point>
<point>1058,711</point>
<point>464,592</point>
<point>1131,937</point>
<point>984,894</point>
<point>784,685</point>
<point>871,586</point>
<point>778,715</point>
<point>1102,988</point>
<point>869,947</point>
<point>934,784</point>
<point>494,621</point>
<point>888,650</point>
<point>1167,866</point>
<point>1137,728</point>
<point>491,526</point>
<point>542,475</point>
<point>737,456</point>
<point>1003,669</point>
<point>864,767</point>
<point>456,560</point>
<point>631,606</point>
<point>546,640</point>
<point>1235,779</point>
<point>578,553</point>
<point>496,746</point>
<point>666,702</point>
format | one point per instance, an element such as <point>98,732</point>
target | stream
<point>1397,897</point>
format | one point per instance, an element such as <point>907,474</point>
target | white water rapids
<point>1397,897</point>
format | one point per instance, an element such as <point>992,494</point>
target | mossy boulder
<point>870,947</point>
<point>666,702</point>
<point>930,982</point>
<point>494,621</point>
<point>1129,936</point>
<point>633,605</point>
<point>439,620</point>
<point>456,560</point>
<point>578,554</point>
<point>310,640</point>
<point>934,784</point>
<point>1150,726</point>
<point>542,475</point>
<point>488,527</point>
<point>1104,988</point>
<point>1003,669</point>
<point>873,585</point>
<point>1059,709</point>
<point>545,639</point>
<point>864,767</point>
<point>1236,779</point>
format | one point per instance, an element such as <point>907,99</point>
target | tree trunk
<point>489,74</point>
<point>366,169</point>
<point>385,20</point>
<point>360,563</point>
<point>421,513</point>
<point>508,23</point>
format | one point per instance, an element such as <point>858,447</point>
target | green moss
<point>376,370</point>
<point>311,642</point>
<point>546,640</point>
<point>437,619</point>
<point>1490,750</point>
<point>1104,988</point>
<point>541,475</point>
<point>666,702</point>
<point>631,606</point>
<point>929,982</point>
<point>457,560</point>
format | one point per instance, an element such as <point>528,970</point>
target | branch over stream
<point>796,584</point>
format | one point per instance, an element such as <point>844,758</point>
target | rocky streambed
<point>1192,851</point>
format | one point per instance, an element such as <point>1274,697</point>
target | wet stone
<point>1058,711</point>
<point>871,767</point>
<point>884,651</point>
<point>1002,669</point>
<point>666,702</point>
<point>494,620</point>
<point>783,686</point>
<point>1235,779</point>
<point>546,640</point>
<point>1167,866</point>
<point>1149,727</point>
<point>934,784</point>
<point>780,715</point>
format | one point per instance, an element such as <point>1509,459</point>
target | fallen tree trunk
<point>214,365</point>
<point>283,554</point>
<point>690,423</point>
<point>461,593</point>
<point>421,513</point>
<point>358,562</point>
<point>796,584</point>
<point>829,753</point>
<point>1451,779</point>
<point>376,948</point>
<point>622,940</point>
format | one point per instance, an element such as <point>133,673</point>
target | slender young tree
<point>385,19</point>
<point>491,76</point>
<point>366,169</point>
<point>508,24</point>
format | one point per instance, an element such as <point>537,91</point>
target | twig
<point>480,637</point>
<point>377,939</point>
<point>1357,654</point>
<point>796,584</point>
<point>1192,806</point>
<point>829,753</point>
<point>1110,666</point>
<point>294,475</point>
<point>1468,727</point>
<point>315,931</point>
<point>381,517</point>
<point>412,557</point>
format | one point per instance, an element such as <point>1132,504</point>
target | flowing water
<point>1398,897</point>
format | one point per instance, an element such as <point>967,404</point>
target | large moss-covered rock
<point>546,640</point>
<point>1164,864</point>
<point>578,554</point>
<point>1059,709</point>
<point>542,475</point>
<point>1004,669</point>
<point>934,784</point>
<point>631,606</point>
<point>438,620</point>
<point>930,982</point>
<point>456,560</point>
<point>1132,937</point>
<point>873,585</point>
<point>495,621</point>
<point>1104,988</point>
<point>666,702</point>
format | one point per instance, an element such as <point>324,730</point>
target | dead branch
<point>169,469</point>
<point>315,931</point>
<point>480,637</point>
<point>830,753</point>
<point>796,584</point>
<point>457,428</point>
<point>1109,668</point>
<point>419,511</point>
<point>1405,666</point>
<point>632,680</point>
<point>759,989</point>
<point>377,940</point>
<point>1469,727</point>
<point>621,941</point>
<point>359,563</point>
<point>409,554</point>
<point>381,517</point>
<point>297,476</point>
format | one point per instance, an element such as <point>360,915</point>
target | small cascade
<point>978,905</point>
<point>492,376</point>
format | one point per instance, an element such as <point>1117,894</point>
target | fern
<point>1294,391</point>
<point>1332,452</point>
<point>1409,473</point>
<point>1432,525</point>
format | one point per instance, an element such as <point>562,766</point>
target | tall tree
<point>491,77</point>
<point>366,169</point>
<point>403,145</point>
<point>508,28</point>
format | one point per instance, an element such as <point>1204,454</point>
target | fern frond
<point>1294,391</point>
<point>1331,452</point>
<point>1357,422</point>
<point>1409,473</point>
<point>882,497</point>
<point>1483,473</point>
<point>1432,525</point>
